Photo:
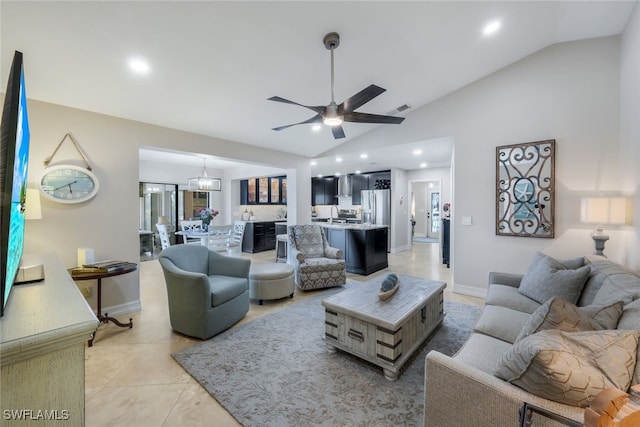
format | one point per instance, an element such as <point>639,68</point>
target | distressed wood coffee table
<point>385,333</point>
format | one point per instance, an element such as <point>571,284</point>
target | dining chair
<point>163,232</point>
<point>190,225</point>
<point>235,242</point>
<point>219,236</point>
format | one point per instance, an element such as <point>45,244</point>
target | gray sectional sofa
<point>515,334</point>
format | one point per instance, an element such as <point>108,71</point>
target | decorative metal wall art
<point>525,189</point>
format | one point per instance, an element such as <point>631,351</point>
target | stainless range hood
<point>344,186</point>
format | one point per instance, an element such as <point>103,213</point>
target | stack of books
<point>108,266</point>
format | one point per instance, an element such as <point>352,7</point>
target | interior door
<point>433,213</point>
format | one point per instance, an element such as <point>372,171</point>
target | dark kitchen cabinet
<point>358,183</point>
<point>366,250</point>
<point>336,239</point>
<point>259,236</point>
<point>324,191</point>
<point>264,191</point>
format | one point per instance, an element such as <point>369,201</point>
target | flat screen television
<point>14,158</point>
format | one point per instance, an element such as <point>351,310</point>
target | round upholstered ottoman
<point>270,281</point>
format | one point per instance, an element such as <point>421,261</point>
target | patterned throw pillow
<point>571,367</point>
<point>550,278</point>
<point>560,314</point>
<point>631,320</point>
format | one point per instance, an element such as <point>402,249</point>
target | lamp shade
<point>33,210</point>
<point>603,210</point>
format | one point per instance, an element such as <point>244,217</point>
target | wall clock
<point>68,184</point>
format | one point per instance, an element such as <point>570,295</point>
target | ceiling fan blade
<point>372,118</point>
<point>315,119</point>
<point>319,110</point>
<point>337,131</point>
<point>360,98</point>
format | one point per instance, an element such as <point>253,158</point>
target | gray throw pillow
<point>560,314</point>
<point>618,287</point>
<point>569,264</point>
<point>550,278</point>
<point>571,367</point>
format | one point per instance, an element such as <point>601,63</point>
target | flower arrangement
<point>207,215</point>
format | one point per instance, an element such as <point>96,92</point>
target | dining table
<point>216,239</point>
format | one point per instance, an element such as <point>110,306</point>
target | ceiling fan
<point>334,115</point>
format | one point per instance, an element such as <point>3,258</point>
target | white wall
<point>569,92</point>
<point>109,222</point>
<point>630,123</point>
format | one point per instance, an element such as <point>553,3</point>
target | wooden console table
<point>128,268</point>
<point>42,349</point>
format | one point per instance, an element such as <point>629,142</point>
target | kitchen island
<point>364,246</point>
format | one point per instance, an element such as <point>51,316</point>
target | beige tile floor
<point>132,380</point>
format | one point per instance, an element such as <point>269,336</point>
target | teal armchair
<point>207,292</point>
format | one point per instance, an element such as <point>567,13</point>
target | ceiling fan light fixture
<point>331,117</point>
<point>333,121</point>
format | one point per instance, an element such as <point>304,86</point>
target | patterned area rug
<point>276,371</point>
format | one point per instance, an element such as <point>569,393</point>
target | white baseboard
<point>122,309</point>
<point>470,290</point>
<point>400,249</point>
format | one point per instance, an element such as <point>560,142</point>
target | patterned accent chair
<point>316,264</point>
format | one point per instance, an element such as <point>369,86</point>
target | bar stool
<point>281,248</point>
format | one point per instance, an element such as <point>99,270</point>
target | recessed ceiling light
<point>364,155</point>
<point>338,159</point>
<point>320,175</point>
<point>423,164</point>
<point>313,163</point>
<point>316,128</point>
<point>491,28</point>
<point>337,173</point>
<point>140,66</point>
<point>358,172</point>
<point>417,151</point>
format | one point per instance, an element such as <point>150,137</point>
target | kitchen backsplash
<point>263,212</point>
<point>271,212</point>
<point>324,211</point>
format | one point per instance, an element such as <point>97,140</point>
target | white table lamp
<point>603,211</point>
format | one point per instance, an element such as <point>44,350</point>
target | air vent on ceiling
<point>399,109</point>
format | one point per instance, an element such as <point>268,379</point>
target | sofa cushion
<point>508,296</point>
<point>618,287</point>
<point>571,367</point>
<point>549,278</point>
<point>482,352</point>
<point>501,322</point>
<point>560,314</point>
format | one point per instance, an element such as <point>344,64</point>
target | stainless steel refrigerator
<point>376,209</point>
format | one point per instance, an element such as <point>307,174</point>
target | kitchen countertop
<point>354,226</point>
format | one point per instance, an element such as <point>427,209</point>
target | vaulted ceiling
<point>213,64</point>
